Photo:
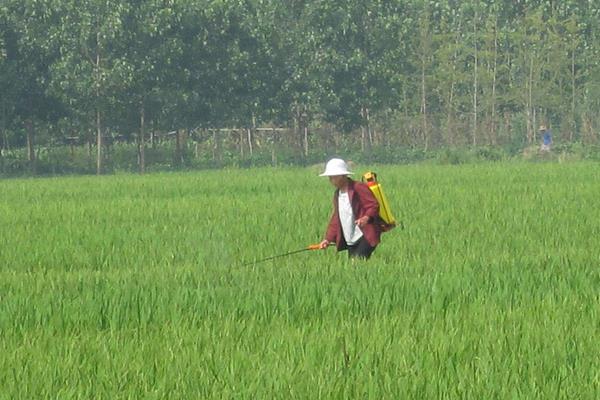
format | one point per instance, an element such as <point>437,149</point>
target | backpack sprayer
<point>388,222</point>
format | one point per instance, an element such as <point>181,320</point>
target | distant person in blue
<point>546,138</point>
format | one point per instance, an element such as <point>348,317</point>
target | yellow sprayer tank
<point>385,213</point>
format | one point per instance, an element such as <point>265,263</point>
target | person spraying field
<point>355,222</point>
<point>360,214</point>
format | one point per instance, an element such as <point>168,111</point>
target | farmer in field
<point>352,225</point>
<point>546,139</point>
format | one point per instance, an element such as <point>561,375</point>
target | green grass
<point>134,287</point>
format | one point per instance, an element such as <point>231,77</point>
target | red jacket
<point>363,203</point>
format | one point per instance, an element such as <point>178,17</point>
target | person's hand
<point>324,244</point>
<point>362,221</point>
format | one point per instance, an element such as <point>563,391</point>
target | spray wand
<point>307,248</point>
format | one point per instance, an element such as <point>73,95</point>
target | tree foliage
<point>421,73</point>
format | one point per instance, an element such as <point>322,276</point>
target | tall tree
<point>146,64</point>
<point>424,57</point>
<point>88,74</point>
<point>355,41</point>
<point>450,53</point>
<point>27,55</point>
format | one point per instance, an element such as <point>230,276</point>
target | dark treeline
<point>375,74</point>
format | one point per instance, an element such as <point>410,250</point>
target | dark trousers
<point>361,249</point>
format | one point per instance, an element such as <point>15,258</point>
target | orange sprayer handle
<point>317,246</point>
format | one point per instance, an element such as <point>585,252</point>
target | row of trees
<point>414,73</point>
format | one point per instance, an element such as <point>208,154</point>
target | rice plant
<point>145,287</point>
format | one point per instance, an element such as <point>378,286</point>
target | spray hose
<point>310,247</point>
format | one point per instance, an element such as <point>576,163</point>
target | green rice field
<point>145,287</point>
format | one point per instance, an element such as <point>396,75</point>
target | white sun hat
<point>335,167</point>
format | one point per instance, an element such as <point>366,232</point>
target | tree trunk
<point>89,137</point>
<point>363,139</point>
<point>218,145</point>
<point>3,140</point>
<point>273,144</point>
<point>305,141</point>
<point>573,91</point>
<point>508,126</point>
<point>215,145</point>
<point>493,124</point>
<point>241,133</point>
<point>300,129</point>
<point>475,81</point>
<point>337,140</point>
<point>365,136</point>
<point>249,134</point>
<point>152,134</point>
<point>99,143</point>
<point>424,133</point>
<point>178,152</point>
<point>450,134</point>
<point>98,114</point>
<point>4,146</point>
<point>529,104</point>
<point>141,140</point>
<point>30,145</point>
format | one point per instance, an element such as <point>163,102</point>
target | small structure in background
<point>546,139</point>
